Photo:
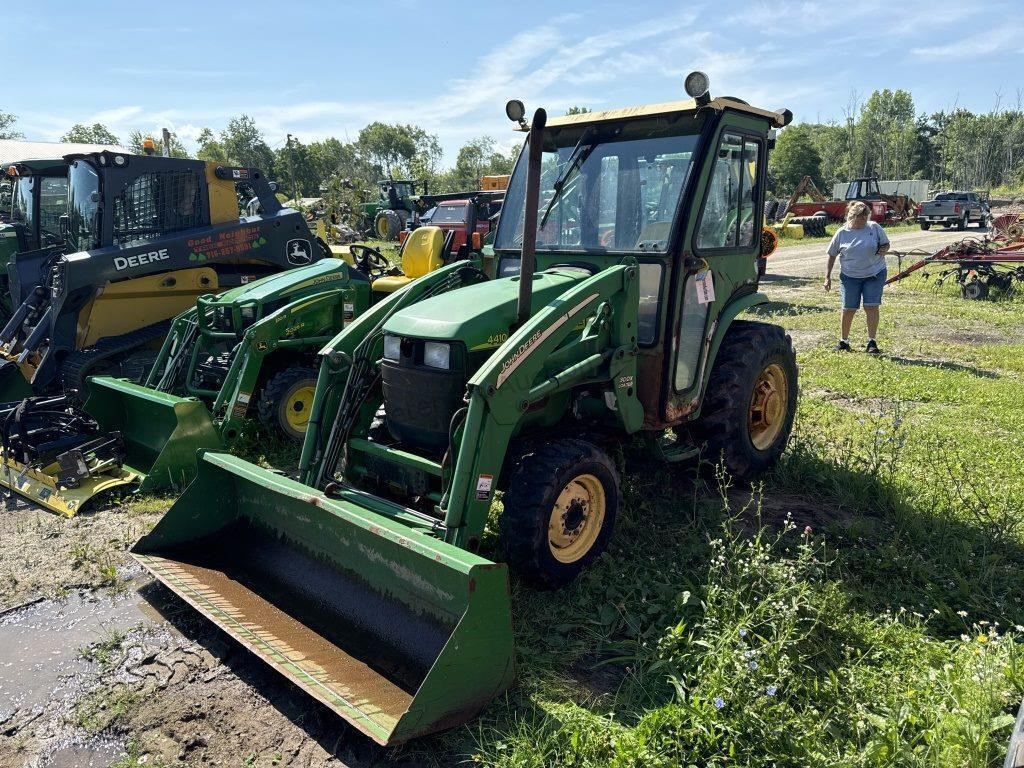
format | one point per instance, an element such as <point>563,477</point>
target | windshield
<point>22,210</point>
<point>53,203</point>
<point>84,203</point>
<point>621,198</point>
<point>449,214</point>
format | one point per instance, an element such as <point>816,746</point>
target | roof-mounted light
<point>516,112</point>
<point>148,146</point>
<point>698,87</point>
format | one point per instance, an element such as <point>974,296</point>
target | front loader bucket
<point>398,632</point>
<point>161,432</point>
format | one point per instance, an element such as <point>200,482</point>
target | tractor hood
<point>323,274</point>
<point>480,315</point>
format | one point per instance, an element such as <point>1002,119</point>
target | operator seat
<point>422,252</point>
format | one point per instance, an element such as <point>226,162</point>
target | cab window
<point>728,220</point>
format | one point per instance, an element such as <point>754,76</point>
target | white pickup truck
<point>955,209</point>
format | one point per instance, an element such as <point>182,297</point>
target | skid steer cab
<point>39,199</point>
<point>627,248</point>
<point>141,238</point>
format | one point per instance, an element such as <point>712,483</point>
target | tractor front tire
<point>387,225</point>
<point>560,508</point>
<point>286,400</point>
<point>750,401</point>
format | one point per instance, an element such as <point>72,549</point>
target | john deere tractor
<point>626,252</point>
<point>385,217</point>
<point>142,238</point>
<point>250,350</point>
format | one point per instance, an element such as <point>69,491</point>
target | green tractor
<point>251,349</point>
<point>627,249</point>
<point>385,217</point>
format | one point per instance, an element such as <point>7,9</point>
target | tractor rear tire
<point>560,508</point>
<point>285,401</point>
<point>974,290</point>
<point>387,225</point>
<point>751,400</point>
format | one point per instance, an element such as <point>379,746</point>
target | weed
<point>104,708</point>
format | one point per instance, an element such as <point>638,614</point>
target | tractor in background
<point>385,217</point>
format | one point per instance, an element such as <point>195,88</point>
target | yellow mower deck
<point>42,487</point>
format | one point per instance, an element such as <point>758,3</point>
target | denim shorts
<point>853,290</point>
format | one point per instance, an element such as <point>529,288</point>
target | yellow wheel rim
<point>382,228</point>
<point>297,405</point>
<point>576,519</point>
<point>768,407</point>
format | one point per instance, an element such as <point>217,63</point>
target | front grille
<point>419,403</point>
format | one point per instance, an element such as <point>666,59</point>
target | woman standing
<point>860,245</point>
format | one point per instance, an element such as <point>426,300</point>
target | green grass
<point>830,230</point>
<point>862,608</point>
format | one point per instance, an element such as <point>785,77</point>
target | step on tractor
<point>249,350</point>
<point>626,252</point>
<point>39,198</point>
<point>385,217</point>
<point>142,239</point>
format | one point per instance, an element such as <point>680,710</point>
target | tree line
<point>885,136</point>
<point>346,172</point>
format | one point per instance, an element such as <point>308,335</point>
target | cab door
<point>720,260</point>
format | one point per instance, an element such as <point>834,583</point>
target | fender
<point>729,313</point>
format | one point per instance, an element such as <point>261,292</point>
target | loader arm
<point>354,350</point>
<point>279,330</point>
<point>587,336</point>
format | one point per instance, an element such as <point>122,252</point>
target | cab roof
<point>666,108</point>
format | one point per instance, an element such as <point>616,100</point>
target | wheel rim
<point>297,405</point>
<point>576,518</point>
<point>768,407</point>
<point>382,227</point>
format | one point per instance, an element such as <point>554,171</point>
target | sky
<point>319,69</point>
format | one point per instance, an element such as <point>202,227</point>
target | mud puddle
<point>40,644</point>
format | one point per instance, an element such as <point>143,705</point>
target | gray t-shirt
<point>857,249</point>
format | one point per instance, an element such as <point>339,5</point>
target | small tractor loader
<point>626,251</point>
<point>142,238</point>
<point>251,349</point>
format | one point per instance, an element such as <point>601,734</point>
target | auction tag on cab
<point>705,283</point>
<point>483,487</point>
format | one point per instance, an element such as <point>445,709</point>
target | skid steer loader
<point>627,249</point>
<point>142,238</point>
<point>252,348</point>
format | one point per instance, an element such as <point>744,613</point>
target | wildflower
<point>808,530</point>
<point>743,631</point>
<point>719,702</point>
<point>982,638</point>
<point>962,614</point>
<point>752,665</point>
<point>770,690</point>
<point>1018,627</point>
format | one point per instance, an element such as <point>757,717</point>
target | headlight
<point>392,347</point>
<point>437,354</point>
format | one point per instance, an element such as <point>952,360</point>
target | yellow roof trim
<point>656,110</point>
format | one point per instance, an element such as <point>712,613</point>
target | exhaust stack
<point>528,260</point>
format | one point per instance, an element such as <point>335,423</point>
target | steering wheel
<point>369,260</point>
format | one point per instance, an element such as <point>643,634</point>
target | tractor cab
<point>864,189</point>
<point>39,198</point>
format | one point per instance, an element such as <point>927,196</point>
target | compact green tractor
<point>251,349</point>
<point>627,249</point>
